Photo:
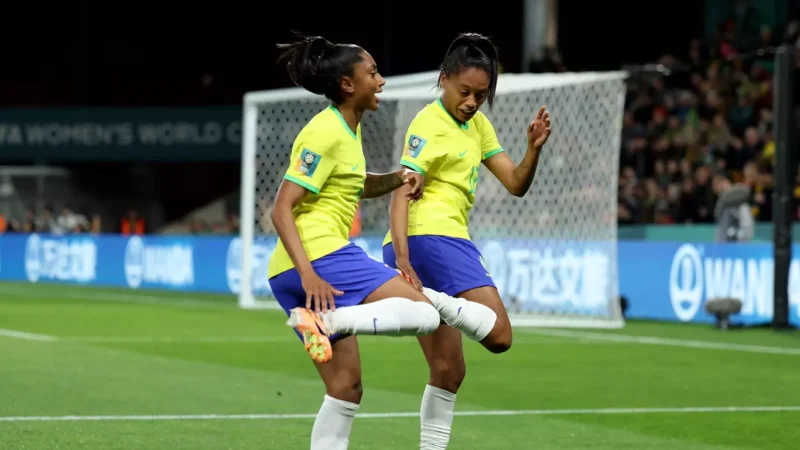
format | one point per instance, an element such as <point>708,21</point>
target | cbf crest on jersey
<point>415,144</point>
<point>308,163</point>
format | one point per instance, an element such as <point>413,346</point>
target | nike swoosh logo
<point>461,155</point>
<point>355,167</point>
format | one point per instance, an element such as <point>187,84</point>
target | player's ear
<point>346,85</point>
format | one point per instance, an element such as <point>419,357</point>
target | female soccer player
<point>331,289</point>
<point>429,240</point>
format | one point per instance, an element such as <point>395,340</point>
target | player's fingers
<point>327,300</point>
<point>308,299</point>
<point>317,301</point>
<point>541,112</point>
<point>417,283</point>
<point>330,301</point>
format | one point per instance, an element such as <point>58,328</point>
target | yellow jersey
<point>327,159</point>
<point>449,154</point>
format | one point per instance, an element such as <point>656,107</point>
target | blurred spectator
<point>46,222</point>
<point>96,225</point>
<point>70,222</point>
<point>132,224</point>
<point>732,211</point>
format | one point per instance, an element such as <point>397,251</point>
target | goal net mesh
<point>552,253</point>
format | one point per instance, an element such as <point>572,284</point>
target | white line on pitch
<point>394,415</point>
<point>652,340</point>
<point>25,335</point>
<point>176,339</point>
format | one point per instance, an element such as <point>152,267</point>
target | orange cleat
<point>315,337</point>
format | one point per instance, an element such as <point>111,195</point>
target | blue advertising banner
<point>662,280</point>
<point>673,281</point>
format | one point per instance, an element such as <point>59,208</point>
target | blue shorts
<point>445,264</point>
<point>348,269</point>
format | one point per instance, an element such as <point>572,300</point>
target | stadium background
<point>74,203</point>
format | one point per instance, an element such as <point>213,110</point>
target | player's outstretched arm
<point>517,179</point>
<point>317,290</point>
<point>380,184</point>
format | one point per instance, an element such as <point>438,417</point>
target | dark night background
<point>97,54</point>
<point>158,53</point>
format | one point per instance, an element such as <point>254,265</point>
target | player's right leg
<point>445,356</point>
<point>342,378</point>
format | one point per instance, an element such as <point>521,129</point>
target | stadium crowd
<point>703,128</point>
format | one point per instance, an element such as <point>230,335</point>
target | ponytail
<point>317,65</point>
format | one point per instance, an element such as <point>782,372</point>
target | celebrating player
<point>429,240</point>
<point>331,289</point>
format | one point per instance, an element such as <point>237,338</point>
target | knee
<point>429,318</point>
<point>448,376</point>
<point>500,343</point>
<point>348,389</point>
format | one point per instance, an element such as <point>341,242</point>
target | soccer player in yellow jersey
<point>429,240</point>
<point>330,289</point>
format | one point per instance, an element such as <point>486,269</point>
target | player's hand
<point>319,294</point>
<point>416,181</point>
<point>539,129</point>
<point>405,267</point>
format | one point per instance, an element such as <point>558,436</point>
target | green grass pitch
<point>102,369</point>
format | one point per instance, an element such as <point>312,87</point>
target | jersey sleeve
<point>312,162</point>
<point>422,148</point>
<point>490,146</point>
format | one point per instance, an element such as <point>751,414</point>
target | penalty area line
<point>398,415</point>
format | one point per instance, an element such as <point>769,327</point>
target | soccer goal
<point>552,253</point>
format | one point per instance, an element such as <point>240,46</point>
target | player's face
<point>367,82</point>
<point>465,92</point>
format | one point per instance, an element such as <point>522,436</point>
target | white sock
<point>473,319</point>
<point>392,316</point>
<point>333,424</point>
<point>436,418</point>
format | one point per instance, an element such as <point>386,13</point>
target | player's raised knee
<point>500,342</point>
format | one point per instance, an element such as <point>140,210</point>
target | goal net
<point>552,253</point>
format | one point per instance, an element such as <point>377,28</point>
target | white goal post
<point>552,253</point>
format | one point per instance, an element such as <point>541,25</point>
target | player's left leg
<point>343,389</point>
